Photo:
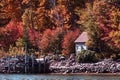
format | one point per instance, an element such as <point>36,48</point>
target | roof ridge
<point>83,37</point>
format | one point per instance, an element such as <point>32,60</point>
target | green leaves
<point>85,56</point>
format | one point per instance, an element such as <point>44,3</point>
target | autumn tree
<point>10,34</point>
<point>34,37</point>
<point>68,44</point>
<point>14,9</point>
<point>106,16</point>
<point>63,13</point>
<point>43,21</point>
<point>99,18</point>
<point>10,9</point>
<point>31,35</point>
<point>51,40</point>
<point>59,14</point>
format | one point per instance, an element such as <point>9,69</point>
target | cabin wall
<point>80,46</point>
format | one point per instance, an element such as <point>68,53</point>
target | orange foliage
<point>107,14</point>
<point>68,41</point>
<point>34,37</point>
<point>60,16</point>
<point>10,9</point>
<point>51,40</point>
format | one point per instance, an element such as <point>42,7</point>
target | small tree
<point>51,40</point>
<point>10,34</point>
<point>68,41</point>
<point>86,56</point>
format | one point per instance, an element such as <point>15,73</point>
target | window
<point>81,47</point>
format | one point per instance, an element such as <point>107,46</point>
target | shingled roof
<point>82,38</point>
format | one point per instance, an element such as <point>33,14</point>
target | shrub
<point>115,56</point>
<point>85,56</point>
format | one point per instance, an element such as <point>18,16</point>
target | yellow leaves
<point>116,41</point>
<point>60,1</point>
<point>16,51</point>
<point>115,15</point>
<point>25,18</point>
<point>115,38</point>
<point>28,17</point>
<point>83,15</point>
<point>10,8</point>
<point>114,34</point>
<point>25,1</point>
<point>113,26</point>
<point>42,2</point>
<point>111,34</point>
<point>2,53</point>
<point>89,43</point>
<point>19,42</point>
<point>118,13</point>
<point>119,26</point>
<point>2,3</point>
<point>66,26</point>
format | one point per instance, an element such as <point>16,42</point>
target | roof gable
<point>82,38</point>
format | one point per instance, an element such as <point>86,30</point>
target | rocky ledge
<point>62,65</point>
<point>70,66</point>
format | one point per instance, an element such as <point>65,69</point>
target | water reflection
<point>56,77</point>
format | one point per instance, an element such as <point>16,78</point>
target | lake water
<point>56,77</point>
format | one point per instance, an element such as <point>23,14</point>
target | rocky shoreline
<point>70,66</point>
<point>60,66</point>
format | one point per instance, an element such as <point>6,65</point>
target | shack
<point>81,41</point>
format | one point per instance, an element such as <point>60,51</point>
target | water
<point>55,77</point>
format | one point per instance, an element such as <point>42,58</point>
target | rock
<point>105,66</point>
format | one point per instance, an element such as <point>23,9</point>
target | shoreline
<point>85,74</point>
<point>63,67</point>
<point>71,74</point>
<point>102,67</point>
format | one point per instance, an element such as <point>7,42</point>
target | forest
<point>52,26</point>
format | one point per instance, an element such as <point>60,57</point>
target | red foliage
<point>10,33</point>
<point>34,37</point>
<point>47,35</point>
<point>51,40</point>
<point>68,41</point>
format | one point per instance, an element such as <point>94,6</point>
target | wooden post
<point>25,57</point>
<point>39,63</point>
<point>8,65</point>
<point>39,66</point>
<point>32,63</point>
<point>44,63</point>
